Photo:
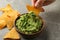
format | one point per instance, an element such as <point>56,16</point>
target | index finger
<point>33,2</point>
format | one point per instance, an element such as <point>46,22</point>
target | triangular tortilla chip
<point>34,9</point>
<point>9,15</point>
<point>13,34</point>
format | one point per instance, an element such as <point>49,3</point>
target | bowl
<point>33,35</point>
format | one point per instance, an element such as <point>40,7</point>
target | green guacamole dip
<point>29,23</point>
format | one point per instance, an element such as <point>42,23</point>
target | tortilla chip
<point>3,21</point>
<point>6,18</point>
<point>2,24</point>
<point>13,34</point>
<point>34,9</point>
<point>7,8</point>
<point>10,23</point>
<point>9,15</point>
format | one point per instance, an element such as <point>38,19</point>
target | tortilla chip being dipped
<point>34,9</point>
<point>12,35</point>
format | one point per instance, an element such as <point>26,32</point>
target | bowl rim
<point>43,25</point>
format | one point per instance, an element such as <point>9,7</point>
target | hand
<point>37,3</point>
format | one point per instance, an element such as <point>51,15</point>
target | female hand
<point>37,3</point>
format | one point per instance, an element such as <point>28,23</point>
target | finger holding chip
<point>34,9</point>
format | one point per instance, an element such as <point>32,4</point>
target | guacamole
<point>29,23</point>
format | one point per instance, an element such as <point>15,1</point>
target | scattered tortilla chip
<point>13,17</point>
<point>7,8</point>
<point>2,24</point>
<point>13,34</point>
<point>9,15</point>
<point>34,9</point>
